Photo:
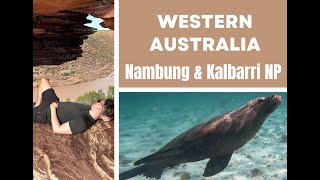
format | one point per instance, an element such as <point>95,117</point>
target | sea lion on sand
<point>216,139</point>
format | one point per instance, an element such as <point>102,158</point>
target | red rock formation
<point>58,29</point>
<point>98,8</point>
<point>57,37</point>
<point>105,12</point>
<point>83,156</point>
<point>49,7</point>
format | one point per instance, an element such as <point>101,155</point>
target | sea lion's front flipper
<point>216,165</point>
<point>154,172</point>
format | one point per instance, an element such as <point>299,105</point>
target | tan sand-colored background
<point>139,25</point>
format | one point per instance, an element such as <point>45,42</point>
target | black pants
<point>40,112</point>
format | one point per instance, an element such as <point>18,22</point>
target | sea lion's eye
<point>260,100</point>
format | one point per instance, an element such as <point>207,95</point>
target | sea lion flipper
<point>147,170</point>
<point>216,165</point>
<point>154,172</point>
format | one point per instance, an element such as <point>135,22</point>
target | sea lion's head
<point>255,112</point>
<point>263,106</point>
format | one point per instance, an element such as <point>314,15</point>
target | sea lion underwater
<point>216,139</point>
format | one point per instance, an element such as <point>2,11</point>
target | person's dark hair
<point>109,106</point>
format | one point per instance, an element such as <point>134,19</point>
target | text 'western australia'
<point>198,43</point>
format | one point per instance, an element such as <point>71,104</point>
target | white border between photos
<point>180,89</point>
<point>116,90</point>
<point>219,89</point>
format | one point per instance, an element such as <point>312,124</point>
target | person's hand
<point>54,105</point>
<point>105,118</point>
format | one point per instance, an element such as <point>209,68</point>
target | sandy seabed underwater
<point>148,121</point>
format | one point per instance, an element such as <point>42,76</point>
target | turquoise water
<point>148,121</point>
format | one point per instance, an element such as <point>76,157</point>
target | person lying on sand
<point>68,117</point>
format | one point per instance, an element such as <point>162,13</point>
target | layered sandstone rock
<point>89,155</point>
<point>57,37</point>
<point>58,29</point>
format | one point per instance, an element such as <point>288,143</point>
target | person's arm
<point>56,127</point>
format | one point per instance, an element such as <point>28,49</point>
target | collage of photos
<point>78,113</point>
